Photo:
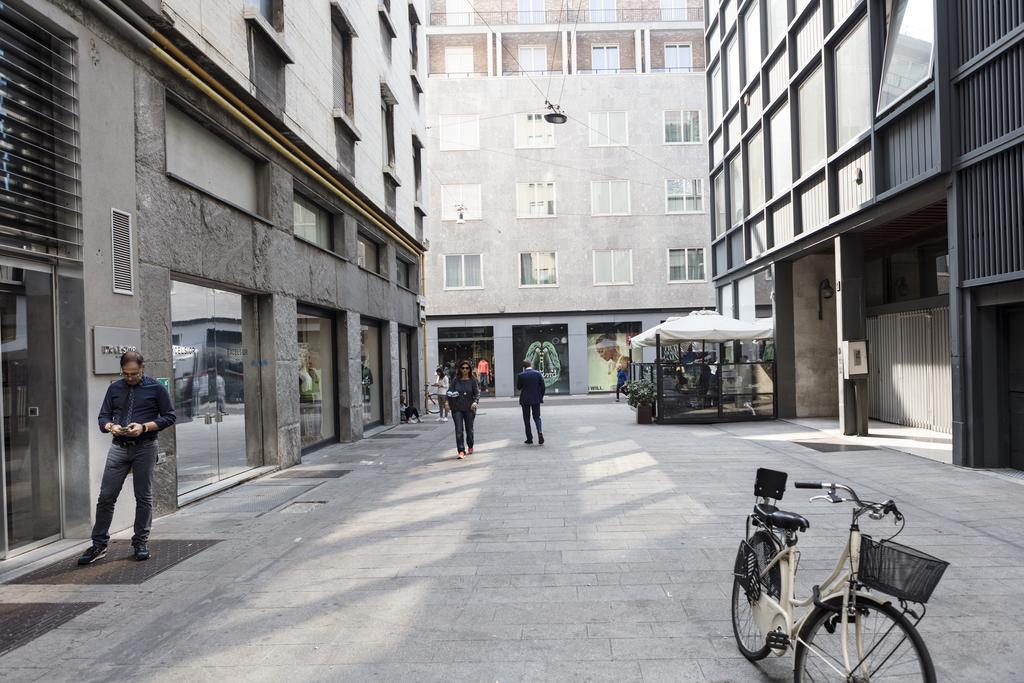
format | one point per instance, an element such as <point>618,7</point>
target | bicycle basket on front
<point>899,570</point>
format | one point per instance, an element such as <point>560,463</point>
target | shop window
<point>682,127</point>
<point>538,269</point>
<point>684,195</point>
<point>316,377</point>
<point>547,349</point>
<point>311,223</point>
<point>613,267</point>
<point>368,256</point>
<point>535,200</point>
<point>608,129</point>
<point>607,351</point>
<point>533,131</point>
<point>686,265</point>
<point>909,41</point>
<point>459,133</point>
<point>370,376</point>
<point>463,271</point>
<point>609,198</point>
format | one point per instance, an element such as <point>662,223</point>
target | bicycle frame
<point>773,615</point>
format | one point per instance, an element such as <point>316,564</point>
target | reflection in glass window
<point>752,41</point>
<point>812,121</point>
<point>755,170</point>
<point>613,267</point>
<point>678,57</point>
<point>312,223</point>
<point>908,50</point>
<point>369,255</point>
<point>686,265</point>
<point>777,21</point>
<point>720,215</point>
<point>684,195</point>
<point>538,269</point>
<point>732,64</point>
<point>716,96</point>
<point>853,85</point>
<point>462,271</point>
<point>370,373</point>
<point>736,189</point>
<point>316,378</point>
<point>781,161</point>
<point>533,131</point>
<point>535,200</point>
<point>682,126</point>
<point>604,59</point>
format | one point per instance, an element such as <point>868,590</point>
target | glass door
<point>30,466</point>
<point>209,384</point>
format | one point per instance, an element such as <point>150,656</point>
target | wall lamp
<point>825,291</point>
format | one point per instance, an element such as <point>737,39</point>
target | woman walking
<point>440,390</point>
<point>463,394</point>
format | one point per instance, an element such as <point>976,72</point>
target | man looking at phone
<point>134,411</point>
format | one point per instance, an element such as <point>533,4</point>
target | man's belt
<point>125,443</point>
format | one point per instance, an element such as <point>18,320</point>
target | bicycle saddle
<point>780,519</point>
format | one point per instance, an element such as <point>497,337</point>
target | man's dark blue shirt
<point>147,401</point>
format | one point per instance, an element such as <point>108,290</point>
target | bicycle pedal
<point>777,640</point>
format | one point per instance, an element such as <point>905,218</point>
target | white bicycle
<point>851,633</point>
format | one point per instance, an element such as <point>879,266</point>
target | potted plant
<point>642,395</point>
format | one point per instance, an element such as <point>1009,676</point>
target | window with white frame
<point>608,129</point>
<point>602,10</point>
<point>531,11</point>
<point>538,269</point>
<point>458,12</point>
<point>533,131</point>
<point>674,10</point>
<point>604,59</point>
<point>678,57</point>
<point>533,58</point>
<point>609,197</point>
<point>458,61</point>
<point>684,195</point>
<point>459,133</point>
<point>465,196</point>
<point>535,200</point>
<point>463,271</point>
<point>686,265</point>
<point>682,127</point>
<point>613,267</point>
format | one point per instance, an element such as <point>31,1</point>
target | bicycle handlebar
<point>878,510</point>
<point>809,485</point>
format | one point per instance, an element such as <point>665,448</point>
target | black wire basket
<point>899,570</point>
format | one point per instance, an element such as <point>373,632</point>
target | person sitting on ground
<point>409,413</point>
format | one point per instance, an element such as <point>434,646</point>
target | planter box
<point>644,415</point>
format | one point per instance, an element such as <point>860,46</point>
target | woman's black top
<point>462,393</point>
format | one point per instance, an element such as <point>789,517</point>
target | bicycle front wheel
<point>882,645</point>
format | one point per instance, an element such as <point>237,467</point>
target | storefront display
<point>370,375</point>
<point>475,344</point>
<point>607,351</point>
<point>547,347</point>
<point>316,377</point>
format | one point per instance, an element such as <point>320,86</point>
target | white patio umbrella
<point>704,326</point>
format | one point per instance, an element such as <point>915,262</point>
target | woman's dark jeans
<point>463,423</point>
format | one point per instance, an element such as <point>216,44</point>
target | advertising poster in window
<point>607,350</point>
<point>547,347</point>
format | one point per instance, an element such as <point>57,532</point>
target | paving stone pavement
<point>604,555</point>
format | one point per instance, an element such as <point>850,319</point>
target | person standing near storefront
<point>530,384</point>
<point>483,372</point>
<point>134,411</point>
<point>620,381</point>
<point>463,396</point>
<point>440,391</point>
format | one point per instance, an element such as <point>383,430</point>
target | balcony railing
<point>607,71</point>
<point>570,16</point>
<point>533,72</point>
<point>466,74</point>
<point>677,70</point>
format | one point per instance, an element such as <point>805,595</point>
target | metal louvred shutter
<point>121,255</point>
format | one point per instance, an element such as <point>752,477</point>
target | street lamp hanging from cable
<point>555,115</point>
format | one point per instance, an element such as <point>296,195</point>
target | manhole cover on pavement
<point>311,474</point>
<point>21,623</point>
<point>252,499</point>
<point>119,566</point>
<point>831,447</point>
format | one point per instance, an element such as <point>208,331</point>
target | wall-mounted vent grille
<point>121,255</point>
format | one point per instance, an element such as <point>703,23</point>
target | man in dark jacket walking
<point>134,410</point>
<point>530,384</point>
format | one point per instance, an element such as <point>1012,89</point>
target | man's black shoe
<point>528,441</point>
<point>92,554</point>
<point>141,551</point>
<point>540,438</point>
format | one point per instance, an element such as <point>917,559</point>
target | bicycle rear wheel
<point>889,648</point>
<point>749,639</point>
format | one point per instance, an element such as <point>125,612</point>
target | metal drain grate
<point>1012,474</point>
<point>21,623</point>
<point>119,566</point>
<point>252,499</point>
<point>832,447</point>
<point>311,474</point>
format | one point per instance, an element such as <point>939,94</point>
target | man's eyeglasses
<point>131,375</point>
